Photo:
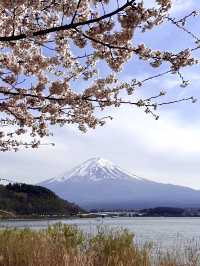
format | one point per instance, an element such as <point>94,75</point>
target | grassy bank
<point>63,245</point>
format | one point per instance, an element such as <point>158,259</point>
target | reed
<point>63,245</point>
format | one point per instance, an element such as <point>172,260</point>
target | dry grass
<point>63,245</point>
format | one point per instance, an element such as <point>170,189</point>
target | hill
<point>23,199</point>
<point>100,184</point>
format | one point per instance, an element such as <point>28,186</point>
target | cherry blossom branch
<point>51,98</point>
<point>67,26</point>
<point>141,103</point>
<point>40,97</point>
<point>41,84</point>
<point>181,24</point>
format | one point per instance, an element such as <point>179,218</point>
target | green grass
<point>63,245</point>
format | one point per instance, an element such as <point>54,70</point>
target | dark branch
<point>79,2</point>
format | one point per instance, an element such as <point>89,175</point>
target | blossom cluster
<point>48,47</point>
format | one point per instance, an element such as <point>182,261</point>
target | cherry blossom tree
<point>48,47</point>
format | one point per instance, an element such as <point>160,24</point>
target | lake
<point>164,232</point>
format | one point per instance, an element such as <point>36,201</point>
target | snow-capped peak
<point>91,167</point>
<point>95,169</point>
<point>102,162</point>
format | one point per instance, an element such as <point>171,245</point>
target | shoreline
<point>92,218</point>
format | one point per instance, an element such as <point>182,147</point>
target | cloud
<point>178,6</point>
<point>165,150</point>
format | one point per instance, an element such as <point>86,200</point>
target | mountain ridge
<point>29,200</point>
<point>98,183</point>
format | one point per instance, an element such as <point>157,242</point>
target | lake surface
<point>164,232</point>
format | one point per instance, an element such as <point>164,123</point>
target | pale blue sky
<point>167,150</point>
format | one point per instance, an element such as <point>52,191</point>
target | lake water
<point>164,232</point>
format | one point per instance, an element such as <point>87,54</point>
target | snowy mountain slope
<point>98,183</point>
<point>94,169</point>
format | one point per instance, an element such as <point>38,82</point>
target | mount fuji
<point>99,184</point>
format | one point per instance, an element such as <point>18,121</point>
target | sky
<point>167,150</point>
